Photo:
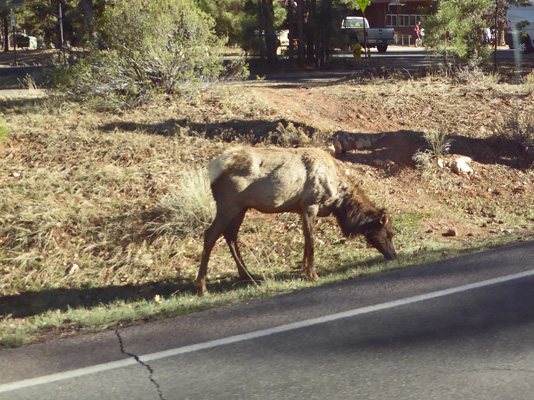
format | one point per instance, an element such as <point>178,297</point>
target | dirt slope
<point>390,117</point>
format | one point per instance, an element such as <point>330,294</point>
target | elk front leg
<point>308,225</point>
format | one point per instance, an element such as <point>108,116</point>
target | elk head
<point>380,235</point>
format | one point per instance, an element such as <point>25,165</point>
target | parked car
<point>520,20</point>
<point>23,41</point>
<point>353,28</point>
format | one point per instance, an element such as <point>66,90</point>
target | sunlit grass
<point>102,215</point>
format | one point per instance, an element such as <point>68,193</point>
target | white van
<point>520,20</point>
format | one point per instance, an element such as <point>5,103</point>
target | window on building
<point>391,20</point>
<point>402,20</point>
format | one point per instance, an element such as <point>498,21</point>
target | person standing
<point>489,36</point>
<point>417,31</point>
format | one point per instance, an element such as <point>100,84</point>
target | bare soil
<point>394,116</point>
<point>27,57</point>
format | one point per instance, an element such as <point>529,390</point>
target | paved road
<point>457,329</point>
<point>402,59</point>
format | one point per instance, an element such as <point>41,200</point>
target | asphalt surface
<point>456,329</point>
<point>399,58</point>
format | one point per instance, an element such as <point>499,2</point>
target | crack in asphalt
<point>136,358</point>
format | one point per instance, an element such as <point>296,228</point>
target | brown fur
<point>304,181</point>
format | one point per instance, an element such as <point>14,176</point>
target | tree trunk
<point>6,34</point>
<point>325,33</point>
<point>291,34</point>
<point>88,15</point>
<point>270,33</point>
<point>311,31</point>
<point>300,30</point>
<point>496,35</point>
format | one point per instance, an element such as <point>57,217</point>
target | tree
<point>314,23</point>
<point>230,18</point>
<point>6,6</point>
<point>456,31</point>
<point>91,9</point>
<point>500,7</point>
<point>150,45</point>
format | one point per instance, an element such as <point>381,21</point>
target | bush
<point>517,127</point>
<point>437,142</point>
<point>456,31</point>
<point>529,82</point>
<point>188,208</point>
<point>161,45</point>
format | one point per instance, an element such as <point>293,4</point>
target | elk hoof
<point>201,288</point>
<point>313,275</point>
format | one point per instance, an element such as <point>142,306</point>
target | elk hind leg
<point>211,235</point>
<point>230,234</point>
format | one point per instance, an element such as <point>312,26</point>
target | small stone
<point>450,233</point>
<point>363,143</point>
<point>73,269</point>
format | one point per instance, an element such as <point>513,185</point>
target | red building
<point>399,14</point>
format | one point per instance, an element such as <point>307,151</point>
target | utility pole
<point>60,11</point>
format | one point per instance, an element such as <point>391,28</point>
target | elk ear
<point>384,216</point>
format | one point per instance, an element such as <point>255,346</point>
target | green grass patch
<point>4,131</point>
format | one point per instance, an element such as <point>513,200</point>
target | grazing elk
<point>305,181</point>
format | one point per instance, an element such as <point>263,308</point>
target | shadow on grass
<point>400,146</point>
<point>251,131</point>
<point>19,103</point>
<point>396,146</point>
<point>32,303</point>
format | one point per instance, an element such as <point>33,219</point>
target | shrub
<point>437,142</point>
<point>529,82</point>
<point>187,208</point>
<point>455,31</point>
<point>162,45</point>
<point>518,127</point>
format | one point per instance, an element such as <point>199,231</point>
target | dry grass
<point>99,213</point>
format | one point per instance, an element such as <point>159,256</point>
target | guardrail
<point>401,39</point>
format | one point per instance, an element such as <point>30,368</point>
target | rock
<point>450,233</point>
<point>383,163</point>
<point>338,149</point>
<point>363,143</point>
<point>461,166</point>
<point>73,269</point>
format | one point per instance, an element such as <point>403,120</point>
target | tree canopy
<point>251,24</point>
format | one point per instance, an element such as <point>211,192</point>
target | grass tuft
<point>4,131</point>
<point>516,126</point>
<point>188,207</point>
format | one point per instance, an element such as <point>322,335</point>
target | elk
<point>306,181</point>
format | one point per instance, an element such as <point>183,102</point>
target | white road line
<point>26,383</point>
